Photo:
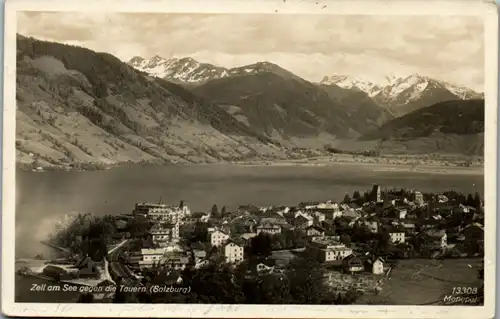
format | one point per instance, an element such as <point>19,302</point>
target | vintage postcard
<point>258,159</point>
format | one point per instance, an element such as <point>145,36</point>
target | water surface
<point>43,198</point>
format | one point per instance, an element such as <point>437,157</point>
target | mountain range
<point>75,105</point>
<point>399,96</point>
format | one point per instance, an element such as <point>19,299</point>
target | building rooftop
<point>152,205</point>
<point>317,227</point>
<point>237,241</point>
<point>273,220</point>
<point>153,251</point>
<point>328,243</point>
<point>268,225</point>
<point>247,236</point>
<point>162,227</point>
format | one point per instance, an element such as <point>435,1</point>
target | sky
<point>449,48</point>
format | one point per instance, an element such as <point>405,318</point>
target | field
<point>425,282</point>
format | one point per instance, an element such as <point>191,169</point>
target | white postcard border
<point>486,9</point>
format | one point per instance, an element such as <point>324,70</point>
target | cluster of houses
<point>438,224</point>
<point>164,234</point>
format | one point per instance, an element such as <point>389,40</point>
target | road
<point>117,267</point>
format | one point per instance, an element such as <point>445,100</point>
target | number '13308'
<point>464,290</point>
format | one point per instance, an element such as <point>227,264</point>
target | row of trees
<point>263,244</point>
<point>85,234</point>
<point>367,153</point>
<point>215,213</point>
<point>473,200</point>
<point>302,282</point>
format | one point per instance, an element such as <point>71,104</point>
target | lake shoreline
<point>44,198</point>
<point>379,164</point>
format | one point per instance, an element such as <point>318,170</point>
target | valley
<point>78,109</point>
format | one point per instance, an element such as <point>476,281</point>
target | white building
<point>419,198</point>
<point>444,241</point>
<point>151,256</point>
<point>324,249</point>
<point>315,231</point>
<point>337,214</point>
<point>442,199</point>
<point>397,236</point>
<point>217,238</point>
<point>328,205</point>
<point>378,266</point>
<point>164,233</point>
<point>372,225</point>
<point>264,268</point>
<point>303,220</point>
<point>162,212</point>
<point>401,212</point>
<point>271,229</point>
<point>175,260</point>
<point>233,252</point>
<point>435,238</point>
<point>320,217</point>
<point>461,209</point>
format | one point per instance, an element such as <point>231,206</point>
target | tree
<point>361,233</point>
<point>215,211</point>
<point>306,280</point>
<point>139,225</point>
<point>238,227</point>
<point>269,289</point>
<point>120,296</point>
<point>216,283</point>
<point>381,244</point>
<point>357,198</point>
<point>356,195</point>
<point>223,211</point>
<point>345,239</point>
<point>341,224</point>
<point>199,234</point>
<point>470,201</point>
<point>347,199</point>
<point>101,89</point>
<point>260,245</point>
<point>477,201</point>
<point>96,237</point>
<point>366,197</point>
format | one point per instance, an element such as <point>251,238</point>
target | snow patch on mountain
<point>463,92</point>
<point>402,84</point>
<point>417,91</point>
<point>347,82</point>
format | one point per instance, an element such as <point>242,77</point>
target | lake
<point>43,198</point>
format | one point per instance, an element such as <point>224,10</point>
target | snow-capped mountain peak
<point>260,67</point>
<point>348,82</point>
<point>417,84</point>
<point>413,82</point>
<point>401,91</point>
<point>186,69</point>
<point>463,92</point>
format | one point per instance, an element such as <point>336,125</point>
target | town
<point>315,252</point>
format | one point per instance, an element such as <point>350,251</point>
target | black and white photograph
<point>333,158</point>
